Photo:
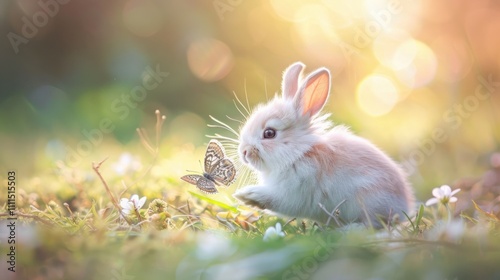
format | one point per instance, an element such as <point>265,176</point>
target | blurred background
<point>419,78</point>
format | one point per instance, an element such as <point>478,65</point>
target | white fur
<point>309,163</point>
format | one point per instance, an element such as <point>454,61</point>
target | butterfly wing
<point>217,166</point>
<point>206,185</point>
<point>192,179</point>
<point>214,154</point>
<point>201,182</point>
<point>224,172</point>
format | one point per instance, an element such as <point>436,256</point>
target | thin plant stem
<point>96,167</point>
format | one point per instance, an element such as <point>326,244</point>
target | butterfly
<point>219,170</point>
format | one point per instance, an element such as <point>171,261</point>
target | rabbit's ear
<point>290,83</point>
<point>313,93</point>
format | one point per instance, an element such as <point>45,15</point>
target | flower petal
<point>141,202</point>
<point>431,201</point>
<point>437,192</point>
<point>130,206</point>
<point>454,192</point>
<point>278,227</point>
<point>270,231</point>
<point>270,234</point>
<point>446,190</point>
<point>124,203</point>
<point>453,199</point>
<point>125,158</point>
<point>126,210</point>
<point>135,198</point>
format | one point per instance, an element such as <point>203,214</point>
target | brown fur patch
<point>323,157</point>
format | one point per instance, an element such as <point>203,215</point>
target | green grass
<point>68,227</point>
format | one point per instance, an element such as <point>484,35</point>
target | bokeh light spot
<point>414,63</point>
<point>48,99</point>
<point>209,59</point>
<point>386,45</point>
<point>405,53</point>
<point>376,95</point>
<point>318,23</point>
<point>316,37</point>
<point>127,63</point>
<point>55,150</point>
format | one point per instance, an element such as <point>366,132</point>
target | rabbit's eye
<point>269,133</point>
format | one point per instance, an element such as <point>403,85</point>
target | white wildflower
<point>442,195</point>
<point>132,204</point>
<point>273,233</point>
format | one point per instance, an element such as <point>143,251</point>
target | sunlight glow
<point>315,36</point>
<point>318,22</point>
<point>209,59</point>
<point>189,124</point>
<point>386,45</point>
<point>414,63</point>
<point>374,5</point>
<point>376,95</point>
<point>287,9</point>
<point>455,61</point>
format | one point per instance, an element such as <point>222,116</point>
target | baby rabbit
<point>302,161</point>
